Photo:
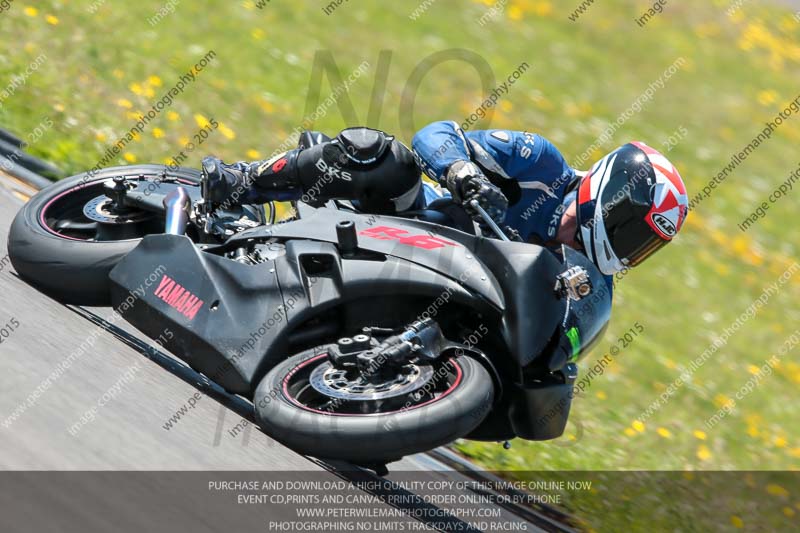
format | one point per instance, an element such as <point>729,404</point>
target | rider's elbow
<point>429,138</point>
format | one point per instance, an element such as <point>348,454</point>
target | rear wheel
<point>333,413</point>
<point>68,237</point>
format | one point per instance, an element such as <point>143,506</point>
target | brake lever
<point>493,225</point>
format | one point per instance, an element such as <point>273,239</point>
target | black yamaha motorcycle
<point>357,337</point>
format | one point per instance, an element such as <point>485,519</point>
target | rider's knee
<point>394,184</point>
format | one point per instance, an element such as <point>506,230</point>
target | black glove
<point>466,182</point>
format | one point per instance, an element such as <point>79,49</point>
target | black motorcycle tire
<point>375,438</point>
<point>72,271</point>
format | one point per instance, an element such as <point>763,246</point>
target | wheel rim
<point>82,213</point>
<point>298,389</point>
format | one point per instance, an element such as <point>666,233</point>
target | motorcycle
<point>357,337</point>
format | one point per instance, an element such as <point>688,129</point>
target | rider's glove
<point>466,182</point>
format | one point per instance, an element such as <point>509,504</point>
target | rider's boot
<point>254,182</point>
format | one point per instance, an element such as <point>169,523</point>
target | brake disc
<point>100,210</point>
<point>334,383</point>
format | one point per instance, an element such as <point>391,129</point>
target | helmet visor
<point>634,240</point>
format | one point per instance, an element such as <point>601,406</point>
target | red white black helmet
<point>630,204</point>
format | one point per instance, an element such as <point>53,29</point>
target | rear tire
<point>72,271</point>
<point>372,438</point>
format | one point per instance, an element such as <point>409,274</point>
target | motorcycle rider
<point>630,204</point>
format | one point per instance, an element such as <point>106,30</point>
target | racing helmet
<point>630,204</point>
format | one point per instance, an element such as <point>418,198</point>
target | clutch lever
<point>207,207</point>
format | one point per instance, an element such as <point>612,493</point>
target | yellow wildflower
<point>777,490</point>
<point>720,400</point>
<point>201,121</point>
<point>703,453</point>
<point>767,97</point>
<point>226,131</point>
<point>514,13</point>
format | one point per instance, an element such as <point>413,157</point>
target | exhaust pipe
<point>177,206</point>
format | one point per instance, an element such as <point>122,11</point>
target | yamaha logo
<point>664,224</point>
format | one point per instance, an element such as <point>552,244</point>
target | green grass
<point>738,73</point>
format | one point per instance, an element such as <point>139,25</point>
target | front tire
<point>72,270</point>
<point>376,437</point>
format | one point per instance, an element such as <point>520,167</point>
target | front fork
<point>421,340</point>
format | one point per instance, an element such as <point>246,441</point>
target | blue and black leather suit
<point>379,174</point>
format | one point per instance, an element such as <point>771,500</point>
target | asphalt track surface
<point>127,433</point>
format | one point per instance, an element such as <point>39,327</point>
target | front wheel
<point>320,410</point>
